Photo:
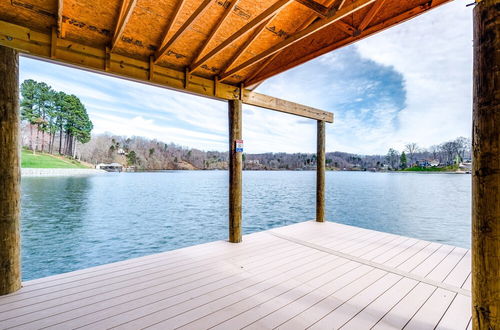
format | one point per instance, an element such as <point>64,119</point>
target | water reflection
<point>78,222</point>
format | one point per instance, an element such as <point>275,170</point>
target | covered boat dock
<point>316,274</point>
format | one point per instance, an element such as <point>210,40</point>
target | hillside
<point>39,160</point>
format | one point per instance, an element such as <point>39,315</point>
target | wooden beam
<point>486,168</point>
<point>296,37</point>
<point>320,172</point>
<point>335,4</point>
<point>318,8</point>
<point>10,172</point>
<point>243,48</point>
<point>371,14</point>
<point>235,171</point>
<point>347,28</point>
<point>38,45</point>
<point>61,32</point>
<point>241,32</point>
<point>214,31</point>
<point>171,21</point>
<point>263,75</point>
<point>126,10</point>
<point>273,103</point>
<point>201,8</point>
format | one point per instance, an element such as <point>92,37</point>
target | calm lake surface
<point>70,223</point>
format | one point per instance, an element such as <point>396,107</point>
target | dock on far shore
<point>306,275</point>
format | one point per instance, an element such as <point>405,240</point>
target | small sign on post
<point>239,146</point>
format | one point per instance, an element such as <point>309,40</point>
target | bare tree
<point>411,149</point>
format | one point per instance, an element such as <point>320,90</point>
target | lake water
<point>71,223</point>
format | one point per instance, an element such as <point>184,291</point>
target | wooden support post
<point>10,176</point>
<point>320,173</point>
<point>486,168</point>
<point>235,171</point>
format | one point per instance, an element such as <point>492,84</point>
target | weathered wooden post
<point>320,173</point>
<point>235,171</point>
<point>10,267</point>
<point>486,167</point>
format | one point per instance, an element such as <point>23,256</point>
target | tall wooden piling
<point>486,167</point>
<point>10,267</point>
<point>320,172</point>
<point>235,171</point>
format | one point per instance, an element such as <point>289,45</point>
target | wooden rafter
<point>255,79</point>
<point>241,32</point>
<point>214,31</point>
<point>319,9</point>
<point>60,29</point>
<point>243,48</point>
<point>371,14</point>
<point>335,5</point>
<point>44,44</point>
<point>315,27</point>
<point>201,8</point>
<point>347,28</point>
<point>126,11</point>
<point>171,21</point>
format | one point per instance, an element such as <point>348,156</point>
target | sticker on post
<point>239,146</point>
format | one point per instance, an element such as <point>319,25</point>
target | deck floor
<point>307,275</point>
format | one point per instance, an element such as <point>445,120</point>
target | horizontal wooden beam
<point>346,41</point>
<point>43,45</point>
<point>273,103</point>
<point>296,37</point>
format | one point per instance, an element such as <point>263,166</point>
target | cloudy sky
<point>411,83</point>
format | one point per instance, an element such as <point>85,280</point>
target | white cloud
<point>434,54</point>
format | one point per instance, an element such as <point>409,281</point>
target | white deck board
<point>307,275</point>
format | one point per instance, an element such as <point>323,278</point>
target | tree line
<point>146,154</point>
<point>446,154</point>
<point>49,113</point>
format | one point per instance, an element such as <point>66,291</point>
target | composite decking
<point>306,275</point>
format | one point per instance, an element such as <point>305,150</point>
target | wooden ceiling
<point>231,41</point>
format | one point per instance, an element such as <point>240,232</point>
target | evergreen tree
<point>403,161</point>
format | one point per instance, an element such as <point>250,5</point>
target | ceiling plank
<point>243,48</point>
<point>319,9</point>
<point>201,8</point>
<point>172,20</point>
<point>348,40</point>
<point>126,11</point>
<point>60,28</point>
<point>371,14</point>
<point>294,38</point>
<point>241,32</point>
<point>215,30</point>
<point>335,4</point>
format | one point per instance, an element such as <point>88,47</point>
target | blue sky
<point>411,83</point>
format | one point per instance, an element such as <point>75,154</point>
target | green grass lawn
<point>28,160</point>
<point>432,169</point>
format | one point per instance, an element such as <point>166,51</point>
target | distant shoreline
<point>41,172</point>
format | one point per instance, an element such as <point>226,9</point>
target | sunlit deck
<point>307,275</point>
